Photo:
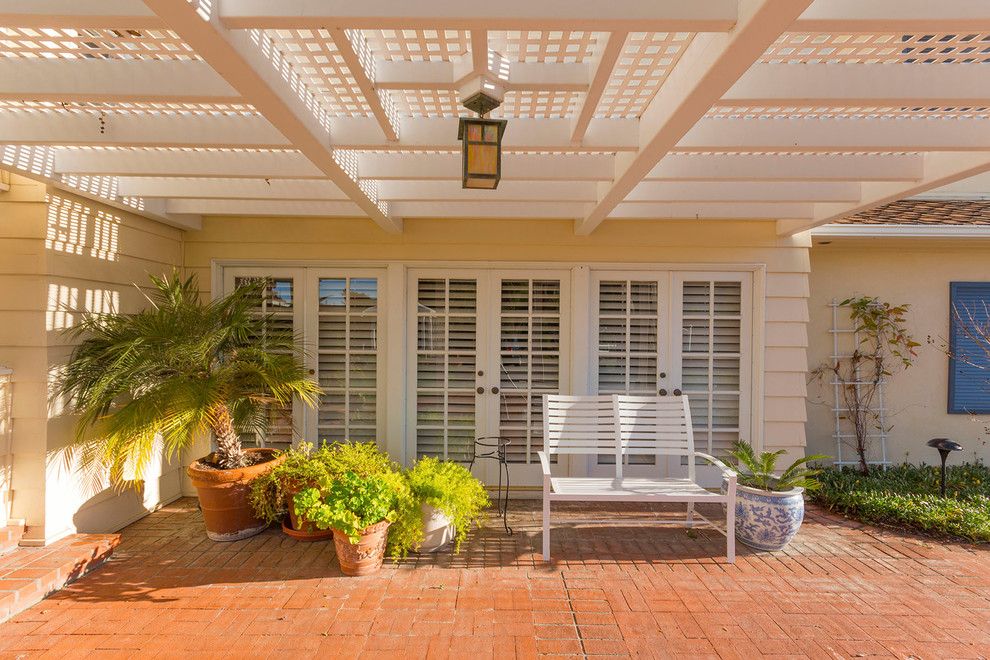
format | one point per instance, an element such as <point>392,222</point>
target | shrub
<point>351,504</point>
<point>302,468</point>
<point>908,496</point>
<point>453,490</point>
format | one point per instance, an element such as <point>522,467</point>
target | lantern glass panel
<point>482,159</point>
<point>472,182</point>
<point>491,133</point>
<point>474,132</point>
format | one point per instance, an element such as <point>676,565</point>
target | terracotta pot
<point>223,496</point>
<point>310,534</point>
<point>294,521</point>
<point>367,555</point>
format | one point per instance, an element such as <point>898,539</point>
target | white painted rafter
<point>242,59</point>
<point>598,76</point>
<point>674,15</point>
<point>186,163</point>
<point>707,69</point>
<point>351,45</point>
<point>940,168</point>
<point>225,188</point>
<point>889,16</point>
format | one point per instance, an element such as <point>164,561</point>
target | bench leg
<point>546,527</point>
<point>690,514</point>
<point>730,530</point>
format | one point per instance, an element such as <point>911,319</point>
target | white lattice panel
<point>51,43</point>
<point>821,48</point>
<point>539,105</point>
<point>797,112</point>
<point>428,103</point>
<point>418,45</point>
<point>317,62</point>
<point>545,46</point>
<point>646,61</point>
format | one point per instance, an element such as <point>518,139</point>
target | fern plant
<point>759,470</point>
<point>451,489</point>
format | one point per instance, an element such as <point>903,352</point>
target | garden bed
<point>907,496</point>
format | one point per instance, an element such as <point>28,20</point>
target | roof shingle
<point>924,212</point>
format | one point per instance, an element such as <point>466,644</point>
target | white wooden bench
<point>626,426</point>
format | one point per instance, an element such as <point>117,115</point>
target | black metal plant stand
<point>493,447</point>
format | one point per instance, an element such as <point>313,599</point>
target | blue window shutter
<point>969,364</point>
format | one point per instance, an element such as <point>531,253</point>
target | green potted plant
<point>177,371</point>
<point>272,493</point>
<point>770,506</point>
<point>359,510</point>
<point>451,500</point>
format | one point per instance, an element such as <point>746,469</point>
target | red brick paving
<point>840,590</point>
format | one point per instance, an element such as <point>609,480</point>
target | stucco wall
<point>911,271</point>
<point>632,242</point>
<point>63,255</point>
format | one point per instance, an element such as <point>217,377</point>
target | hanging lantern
<point>481,144</point>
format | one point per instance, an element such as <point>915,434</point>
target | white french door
<point>486,346</point>
<point>667,332</point>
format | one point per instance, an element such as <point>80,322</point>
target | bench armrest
<point>726,470</point>
<point>545,463</point>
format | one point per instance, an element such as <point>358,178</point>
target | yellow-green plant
<point>301,468</point>
<point>352,503</point>
<point>451,489</point>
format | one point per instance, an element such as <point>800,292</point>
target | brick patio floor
<point>839,591</point>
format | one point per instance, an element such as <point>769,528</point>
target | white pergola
<point>794,111</point>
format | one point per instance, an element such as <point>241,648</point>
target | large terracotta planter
<point>367,555</point>
<point>223,496</point>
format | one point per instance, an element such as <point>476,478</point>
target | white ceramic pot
<point>438,530</point>
<point>768,520</point>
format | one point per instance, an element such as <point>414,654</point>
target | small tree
<point>176,370</point>
<point>883,346</point>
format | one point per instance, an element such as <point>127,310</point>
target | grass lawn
<point>908,496</point>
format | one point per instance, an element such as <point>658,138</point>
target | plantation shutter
<point>446,359</point>
<point>711,360</point>
<point>969,364</point>
<point>277,305</point>
<point>348,358</point>
<point>529,357</point>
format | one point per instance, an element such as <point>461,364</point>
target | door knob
<point>663,374</point>
<point>494,390</point>
<point>677,392</point>
<point>481,390</point>
<point>662,392</point>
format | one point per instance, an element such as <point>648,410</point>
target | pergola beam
<point>941,168</point>
<point>186,163</point>
<point>224,188</point>
<point>744,191</point>
<point>886,16</point>
<point>380,103</point>
<point>250,67</point>
<point>874,85</point>
<point>665,15</point>
<point>708,68</point>
<point>107,81</point>
<point>599,74</point>
<point>788,167</point>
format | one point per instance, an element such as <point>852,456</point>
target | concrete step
<point>10,536</point>
<point>29,574</point>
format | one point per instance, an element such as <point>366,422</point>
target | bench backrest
<point>618,424</point>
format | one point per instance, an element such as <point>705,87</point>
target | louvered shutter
<point>711,360</point>
<point>530,361</point>
<point>446,358</point>
<point>347,363</point>
<point>277,305</point>
<point>969,364</point>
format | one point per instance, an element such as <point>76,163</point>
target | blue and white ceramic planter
<point>768,520</point>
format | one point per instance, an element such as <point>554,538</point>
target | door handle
<point>677,392</point>
<point>481,390</point>
<point>662,392</point>
<point>494,390</point>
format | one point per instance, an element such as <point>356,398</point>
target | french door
<point>486,345</point>
<point>673,333</point>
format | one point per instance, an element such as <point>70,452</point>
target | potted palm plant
<point>175,372</point>
<point>770,506</point>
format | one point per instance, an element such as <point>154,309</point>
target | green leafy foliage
<point>452,489</point>
<point>176,370</point>
<point>908,496</point>
<point>884,344</point>
<point>302,468</point>
<point>361,458</point>
<point>351,504</point>
<point>759,470</point>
